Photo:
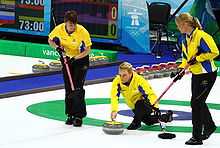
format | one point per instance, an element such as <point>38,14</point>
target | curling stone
<point>162,65</point>
<point>140,70</point>
<point>155,67</point>
<point>166,73</point>
<point>160,74</point>
<point>146,67</point>
<point>38,68</point>
<point>156,74</point>
<point>171,65</point>
<point>55,66</point>
<point>96,60</point>
<point>92,60</point>
<point>113,128</point>
<point>151,75</point>
<point>102,59</point>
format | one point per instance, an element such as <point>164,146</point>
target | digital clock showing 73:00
<point>31,25</point>
<point>33,18</point>
<point>25,16</point>
<point>32,2</point>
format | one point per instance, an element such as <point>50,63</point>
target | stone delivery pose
<point>138,95</point>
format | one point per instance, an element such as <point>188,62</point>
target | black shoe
<point>77,122</point>
<point>69,120</point>
<point>193,141</point>
<point>168,117</point>
<point>134,126</point>
<point>207,133</point>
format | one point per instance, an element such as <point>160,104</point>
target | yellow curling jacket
<point>138,89</point>
<point>201,44</point>
<point>72,43</point>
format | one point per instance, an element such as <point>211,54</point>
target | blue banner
<point>135,26</point>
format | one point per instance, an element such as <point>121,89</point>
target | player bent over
<point>138,95</point>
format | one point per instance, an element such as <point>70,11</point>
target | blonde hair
<point>126,66</point>
<point>189,19</point>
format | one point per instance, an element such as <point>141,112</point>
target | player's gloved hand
<point>179,70</point>
<point>59,49</point>
<point>56,40</point>
<point>178,74</point>
<point>73,59</point>
<point>192,61</point>
<point>173,74</point>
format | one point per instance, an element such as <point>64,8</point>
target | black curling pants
<point>75,100</point>
<point>201,85</point>
<point>142,113</point>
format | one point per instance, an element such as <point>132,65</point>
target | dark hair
<point>71,16</point>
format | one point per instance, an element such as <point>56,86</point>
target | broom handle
<point>171,84</point>
<point>68,72</point>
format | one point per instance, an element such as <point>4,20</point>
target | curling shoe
<point>69,120</point>
<point>194,141</point>
<point>134,126</point>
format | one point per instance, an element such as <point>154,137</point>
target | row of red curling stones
<point>157,70</point>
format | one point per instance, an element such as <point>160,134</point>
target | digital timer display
<point>99,17</point>
<point>25,16</point>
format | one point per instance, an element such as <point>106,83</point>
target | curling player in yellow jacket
<point>138,95</point>
<point>198,50</point>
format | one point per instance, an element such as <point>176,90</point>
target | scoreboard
<point>25,16</point>
<point>121,22</point>
<point>99,17</point>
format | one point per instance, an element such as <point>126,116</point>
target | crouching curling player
<point>138,95</point>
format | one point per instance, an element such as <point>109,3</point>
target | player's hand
<point>56,40</point>
<point>113,115</point>
<point>192,61</point>
<point>174,74</point>
<point>73,59</point>
<point>178,75</point>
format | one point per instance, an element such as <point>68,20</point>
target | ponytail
<point>196,23</point>
<point>192,21</point>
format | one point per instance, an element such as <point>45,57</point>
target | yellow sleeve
<point>115,93</point>
<point>143,83</point>
<point>183,64</point>
<point>54,33</point>
<point>208,48</point>
<point>86,38</point>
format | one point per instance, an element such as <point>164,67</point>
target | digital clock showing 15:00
<point>25,16</point>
